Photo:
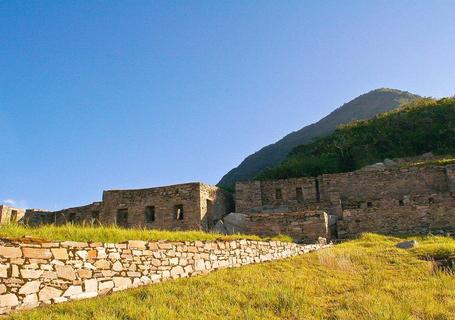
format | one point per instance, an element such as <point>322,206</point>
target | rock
<point>72,291</point>
<point>117,266</point>
<point>106,285</point>
<point>82,254</point>
<point>60,253</point>
<point>374,167</point>
<point>8,300</point>
<point>48,293</point>
<point>4,270</point>
<point>29,287</point>
<point>31,274</point>
<point>10,252</point>
<point>84,273</point>
<point>2,288</point>
<point>91,285</point>
<point>136,244</point>
<point>65,272</point>
<point>121,283</point>
<point>407,244</point>
<point>176,271</point>
<point>30,300</point>
<point>37,253</point>
<point>389,162</point>
<point>102,264</point>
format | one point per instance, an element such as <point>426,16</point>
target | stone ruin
<point>189,206</point>
<point>381,199</point>
<point>388,198</point>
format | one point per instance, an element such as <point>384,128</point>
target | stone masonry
<point>10,214</point>
<point>386,200</point>
<point>37,273</point>
<point>189,206</point>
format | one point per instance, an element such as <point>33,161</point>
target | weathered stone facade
<point>186,206</point>
<point>32,274</point>
<point>386,200</point>
<point>10,214</point>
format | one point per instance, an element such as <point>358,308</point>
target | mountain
<point>415,128</point>
<point>365,106</point>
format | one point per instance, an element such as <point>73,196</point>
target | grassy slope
<point>115,234</point>
<point>363,279</point>
<point>420,126</point>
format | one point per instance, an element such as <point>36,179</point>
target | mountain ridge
<point>364,106</point>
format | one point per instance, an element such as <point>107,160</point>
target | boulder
<point>407,244</point>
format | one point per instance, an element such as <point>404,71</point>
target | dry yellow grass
<point>366,278</point>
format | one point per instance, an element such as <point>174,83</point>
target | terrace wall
<point>33,274</point>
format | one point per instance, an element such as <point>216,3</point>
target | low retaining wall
<point>32,274</point>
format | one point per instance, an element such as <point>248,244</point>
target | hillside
<point>367,278</point>
<point>420,126</point>
<point>363,107</point>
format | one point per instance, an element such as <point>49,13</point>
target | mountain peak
<point>364,106</point>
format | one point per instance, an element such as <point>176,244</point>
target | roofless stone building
<point>390,200</point>
<point>189,206</point>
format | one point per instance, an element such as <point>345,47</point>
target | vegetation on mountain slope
<point>415,128</point>
<point>363,107</point>
<point>367,278</point>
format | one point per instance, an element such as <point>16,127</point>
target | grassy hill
<point>363,107</point>
<point>367,278</point>
<point>415,128</point>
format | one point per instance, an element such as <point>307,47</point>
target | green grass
<point>113,234</point>
<point>367,278</point>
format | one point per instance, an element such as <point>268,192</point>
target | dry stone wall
<point>33,274</point>
<point>305,226</point>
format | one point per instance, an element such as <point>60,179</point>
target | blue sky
<point>124,94</point>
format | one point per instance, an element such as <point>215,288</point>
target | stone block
<point>102,264</point>
<point>31,273</point>
<point>48,293</point>
<point>30,287</point>
<point>8,300</point>
<point>137,244</point>
<point>72,291</point>
<point>122,282</point>
<point>106,285</point>
<point>10,252</point>
<point>91,285</point>
<point>60,253</point>
<point>37,253</point>
<point>65,272</point>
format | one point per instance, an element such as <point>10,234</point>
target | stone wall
<point>382,184</point>
<point>296,193</point>
<point>305,226</point>
<point>89,214</point>
<point>385,200</point>
<point>36,217</point>
<point>10,214</point>
<point>215,203</point>
<point>413,215</point>
<point>33,274</point>
<point>189,206</point>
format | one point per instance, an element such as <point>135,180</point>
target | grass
<point>367,278</point>
<point>441,161</point>
<point>113,234</point>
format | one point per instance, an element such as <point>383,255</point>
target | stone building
<point>385,200</point>
<point>10,214</point>
<point>189,206</point>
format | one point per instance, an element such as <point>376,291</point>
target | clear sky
<point>125,94</point>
